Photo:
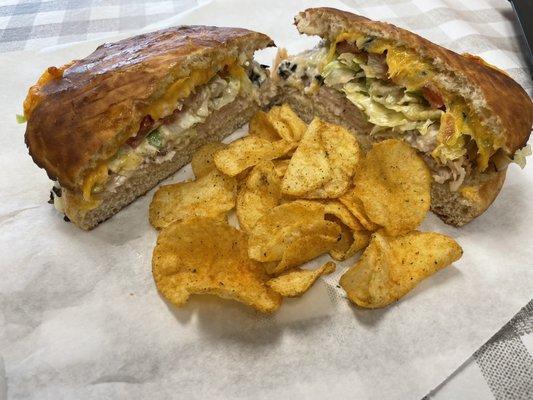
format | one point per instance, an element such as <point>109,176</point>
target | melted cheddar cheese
<point>98,176</point>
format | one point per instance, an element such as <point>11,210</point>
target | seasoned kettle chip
<point>309,168</point>
<point>292,233</point>
<point>281,167</point>
<point>323,164</point>
<point>286,123</point>
<point>297,281</point>
<point>261,126</point>
<point>249,151</point>
<point>273,231</point>
<point>391,266</point>
<point>260,194</point>
<point>318,238</point>
<point>349,243</point>
<point>341,248</point>
<point>202,161</point>
<point>394,186</point>
<point>340,211</point>
<point>361,239</point>
<point>220,266</point>
<point>212,195</point>
<point>352,203</point>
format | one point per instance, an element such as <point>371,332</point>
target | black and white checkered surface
<point>500,369</point>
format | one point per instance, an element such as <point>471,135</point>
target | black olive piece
<point>283,73</point>
<point>57,191</point>
<point>66,219</point>
<point>51,199</point>
<point>293,67</point>
<point>254,77</point>
<point>264,66</point>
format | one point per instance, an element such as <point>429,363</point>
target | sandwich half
<point>468,119</point>
<point>109,127</point>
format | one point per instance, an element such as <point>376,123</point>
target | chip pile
<point>299,191</point>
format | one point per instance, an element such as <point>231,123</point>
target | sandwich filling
<point>396,91</point>
<point>171,123</point>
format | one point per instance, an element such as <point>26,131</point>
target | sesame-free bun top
<point>503,107</point>
<point>80,114</point>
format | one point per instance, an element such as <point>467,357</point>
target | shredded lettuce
<point>337,74</point>
<point>21,119</point>
<point>377,113</point>
<point>385,104</point>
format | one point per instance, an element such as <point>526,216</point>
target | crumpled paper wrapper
<point>80,316</point>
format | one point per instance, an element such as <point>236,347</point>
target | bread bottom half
<point>454,207</point>
<point>217,126</point>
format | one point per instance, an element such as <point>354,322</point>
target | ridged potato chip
<point>339,210</point>
<point>249,151</point>
<point>350,241</point>
<point>316,239</point>
<point>309,168</point>
<point>391,266</point>
<point>296,282</point>
<point>394,186</point>
<point>204,256</point>
<point>260,194</point>
<point>286,123</point>
<point>323,164</point>
<point>281,167</point>
<point>202,161</point>
<point>212,195</point>
<point>261,126</point>
<point>292,233</point>
<point>361,239</point>
<point>341,249</point>
<point>352,203</point>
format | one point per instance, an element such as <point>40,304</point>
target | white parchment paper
<point>80,316</point>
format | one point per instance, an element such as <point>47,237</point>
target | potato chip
<point>309,167</point>
<point>261,126</point>
<point>204,256</point>
<point>352,203</point>
<point>281,166</point>
<point>286,123</point>
<point>341,248</point>
<point>274,231</point>
<point>349,243</point>
<point>202,161</point>
<point>339,210</point>
<point>323,164</point>
<point>249,151</point>
<point>317,239</point>
<point>394,186</point>
<point>361,239</point>
<point>296,282</point>
<point>292,233</point>
<point>391,266</point>
<point>212,195</point>
<point>260,194</point>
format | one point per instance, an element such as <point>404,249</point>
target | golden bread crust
<point>84,114</point>
<point>504,101</point>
